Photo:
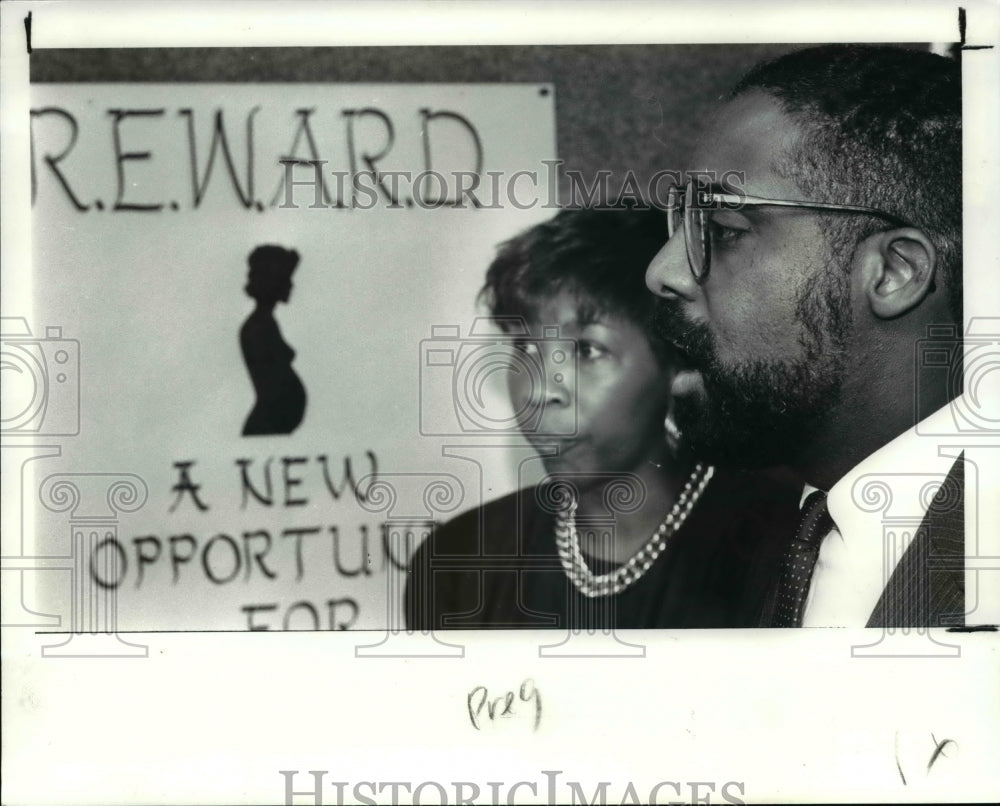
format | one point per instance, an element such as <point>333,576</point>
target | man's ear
<point>897,268</point>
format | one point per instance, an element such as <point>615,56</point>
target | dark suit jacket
<point>927,589</point>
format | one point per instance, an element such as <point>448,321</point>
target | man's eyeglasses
<point>692,205</point>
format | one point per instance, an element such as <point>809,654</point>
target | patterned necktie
<point>800,561</point>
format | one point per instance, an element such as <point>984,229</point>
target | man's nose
<point>669,274</point>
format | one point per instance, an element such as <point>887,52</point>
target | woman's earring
<point>673,433</point>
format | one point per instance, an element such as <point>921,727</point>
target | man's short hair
<point>599,256</point>
<point>882,127</point>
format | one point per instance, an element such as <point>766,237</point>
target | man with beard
<point>817,244</point>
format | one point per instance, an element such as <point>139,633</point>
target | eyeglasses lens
<point>684,214</point>
<point>675,211</point>
<point>695,233</point>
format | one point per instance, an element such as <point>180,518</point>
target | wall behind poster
<point>620,108</point>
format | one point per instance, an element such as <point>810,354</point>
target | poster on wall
<point>258,303</point>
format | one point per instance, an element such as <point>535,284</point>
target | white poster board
<point>148,201</point>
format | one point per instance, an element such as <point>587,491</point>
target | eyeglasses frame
<point>700,198</point>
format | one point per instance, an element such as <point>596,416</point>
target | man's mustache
<point>693,340</point>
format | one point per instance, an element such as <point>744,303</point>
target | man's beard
<point>758,413</point>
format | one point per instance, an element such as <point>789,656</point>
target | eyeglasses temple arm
<point>756,201</point>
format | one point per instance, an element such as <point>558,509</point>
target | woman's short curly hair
<point>599,256</point>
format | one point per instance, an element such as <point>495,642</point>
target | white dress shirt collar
<point>876,508</point>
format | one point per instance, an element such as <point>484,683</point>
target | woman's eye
<point>526,347</point>
<point>588,350</point>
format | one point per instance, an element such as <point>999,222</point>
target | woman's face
<point>606,406</point>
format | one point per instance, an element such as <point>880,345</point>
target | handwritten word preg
<point>484,709</point>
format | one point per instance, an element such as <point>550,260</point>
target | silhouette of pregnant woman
<point>281,397</point>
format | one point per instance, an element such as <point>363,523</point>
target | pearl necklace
<point>614,582</point>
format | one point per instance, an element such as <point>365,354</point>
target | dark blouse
<point>497,566</point>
